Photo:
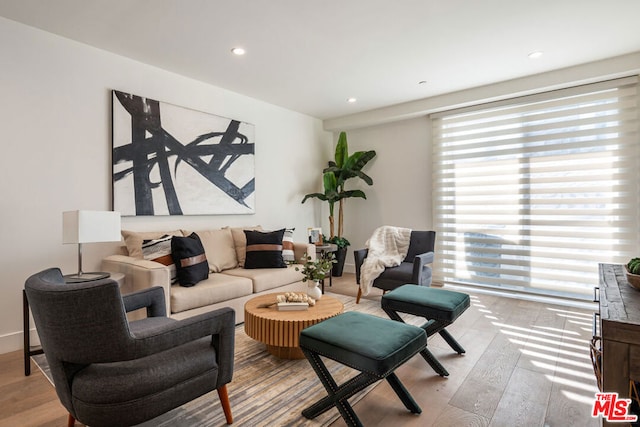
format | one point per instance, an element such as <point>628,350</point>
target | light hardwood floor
<point>527,364</point>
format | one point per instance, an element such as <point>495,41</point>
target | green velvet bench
<point>440,307</point>
<point>369,344</point>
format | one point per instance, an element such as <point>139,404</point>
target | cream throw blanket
<point>388,247</point>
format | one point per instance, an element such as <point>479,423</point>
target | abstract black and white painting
<point>170,160</point>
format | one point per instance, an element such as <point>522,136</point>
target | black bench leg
<point>430,328</point>
<point>393,315</point>
<point>337,395</point>
<point>452,341</point>
<point>434,363</point>
<point>403,394</point>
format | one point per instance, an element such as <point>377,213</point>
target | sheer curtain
<point>532,193</point>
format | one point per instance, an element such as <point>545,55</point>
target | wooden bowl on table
<point>633,279</point>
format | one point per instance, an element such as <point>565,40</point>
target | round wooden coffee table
<point>280,330</point>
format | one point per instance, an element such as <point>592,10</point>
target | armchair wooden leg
<point>226,405</point>
<point>359,295</point>
<point>71,421</point>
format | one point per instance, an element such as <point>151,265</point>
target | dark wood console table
<point>619,330</point>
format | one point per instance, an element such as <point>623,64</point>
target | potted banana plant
<point>343,168</point>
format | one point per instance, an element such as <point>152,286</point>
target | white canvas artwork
<point>170,160</point>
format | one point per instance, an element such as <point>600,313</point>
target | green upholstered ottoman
<point>369,344</point>
<point>440,307</point>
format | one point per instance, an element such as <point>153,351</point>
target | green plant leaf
<point>317,269</point>
<point>366,178</point>
<point>314,195</point>
<point>330,182</point>
<point>358,160</point>
<point>331,168</point>
<point>342,150</point>
<point>354,193</point>
<point>340,242</point>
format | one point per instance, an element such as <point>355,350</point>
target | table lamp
<point>89,227</point>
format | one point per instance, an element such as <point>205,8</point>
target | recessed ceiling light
<point>238,51</point>
<point>351,100</point>
<point>535,55</point>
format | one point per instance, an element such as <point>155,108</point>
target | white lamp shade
<point>90,226</point>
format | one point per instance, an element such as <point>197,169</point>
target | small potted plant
<point>314,271</point>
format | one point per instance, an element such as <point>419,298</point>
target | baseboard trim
<point>14,341</point>
<point>11,342</point>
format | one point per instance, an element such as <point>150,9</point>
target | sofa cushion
<point>217,288</point>
<point>219,248</point>
<point>159,250</point>
<point>133,239</point>
<point>190,259</point>
<point>287,246</point>
<point>240,241</point>
<point>269,278</point>
<point>264,249</point>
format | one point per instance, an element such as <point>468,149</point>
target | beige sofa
<point>228,284</point>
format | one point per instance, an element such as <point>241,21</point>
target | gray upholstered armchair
<point>414,269</point>
<point>108,371</point>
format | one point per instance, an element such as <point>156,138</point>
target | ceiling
<point>311,55</point>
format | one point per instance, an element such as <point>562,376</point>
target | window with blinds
<point>532,193</point>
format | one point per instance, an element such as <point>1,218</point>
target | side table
<point>28,349</point>
<point>321,250</point>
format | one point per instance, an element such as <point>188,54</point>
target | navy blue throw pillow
<point>264,249</point>
<point>190,260</point>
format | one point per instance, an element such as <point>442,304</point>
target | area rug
<point>265,391</point>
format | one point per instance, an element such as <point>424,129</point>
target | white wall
<point>55,106</point>
<point>401,173</point>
